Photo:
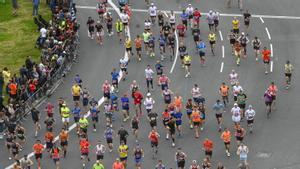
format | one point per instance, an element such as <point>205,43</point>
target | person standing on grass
<point>35,4</point>
<point>15,6</point>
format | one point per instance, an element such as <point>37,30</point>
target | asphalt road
<point>274,143</point>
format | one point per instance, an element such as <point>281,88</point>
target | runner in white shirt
<point>147,25</point>
<point>152,12</point>
<point>100,150</point>
<point>123,66</point>
<point>236,114</point>
<point>125,19</point>
<point>250,113</point>
<point>210,20</point>
<point>190,10</point>
<point>149,102</point>
<point>236,89</point>
<point>216,18</point>
<point>149,77</point>
<point>172,19</point>
<point>233,77</point>
<point>196,94</point>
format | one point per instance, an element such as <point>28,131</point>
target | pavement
<point>274,143</point>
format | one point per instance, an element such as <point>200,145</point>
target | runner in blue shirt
<point>162,40</point>
<point>114,77</point>
<point>76,111</point>
<point>94,113</point>
<point>201,47</point>
<point>125,107</point>
<point>178,115</point>
<point>218,107</point>
<point>108,135</point>
<point>184,18</point>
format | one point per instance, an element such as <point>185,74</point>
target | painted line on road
<point>221,36</point>
<point>271,67</point>
<point>222,66</point>
<point>267,30</point>
<point>223,51</point>
<point>271,48</point>
<point>261,19</point>
<point>223,14</point>
<point>177,42</point>
<point>100,102</point>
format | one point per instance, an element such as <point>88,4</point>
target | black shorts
<point>181,35</point>
<point>190,16</point>
<point>181,164</point>
<point>247,23</point>
<point>64,143</point>
<point>227,143</point>
<point>172,131</point>
<point>212,42</point>
<point>250,121</point>
<point>154,144</point>
<point>273,97</point>
<point>165,122</point>
<point>84,153</point>
<point>216,23</point>
<point>184,22</point>
<point>239,138</point>
<point>188,64</point>
<point>38,156</point>
<point>168,101</point>
<point>196,124</point>
<point>201,53</point>
<point>76,119</point>
<point>125,23</point>
<point>160,23</point>
<point>242,106</point>
<point>196,38</point>
<point>181,57</point>
<point>109,140</point>
<point>138,49</point>
<point>21,137</point>
<point>266,62</point>
<point>106,95</point>
<point>128,49</point>
<point>243,45</point>
<point>288,75</point>
<point>208,153</point>
<point>218,116</point>
<point>49,145</point>
<point>268,103</point>
<point>124,69</point>
<point>123,158</point>
<point>210,25</point>
<point>236,31</point>
<point>91,29</point>
<point>95,119</point>
<point>232,41</point>
<point>255,47</point>
<point>100,157</point>
<point>76,98</point>
<point>153,124</point>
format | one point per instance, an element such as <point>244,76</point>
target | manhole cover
<point>263,155</point>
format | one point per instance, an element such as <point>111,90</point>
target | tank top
<point>100,149</point>
<point>138,154</point>
<point>167,95</point>
<point>239,133</point>
<point>172,18</point>
<point>20,133</point>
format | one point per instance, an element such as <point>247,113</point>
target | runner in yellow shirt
<point>123,153</point>
<point>128,47</point>
<point>76,91</point>
<point>236,25</point>
<point>187,60</point>
<point>212,37</point>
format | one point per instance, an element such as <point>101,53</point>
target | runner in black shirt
<point>35,114</point>
<point>99,32</point>
<point>171,44</point>
<point>109,23</point>
<point>90,23</point>
<point>247,17</point>
<point>160,19</point>
<point>182,52</point>
<point>123,135</point>
<point>152,117</point>
<point>172,125</point>
<point>166,29</point>
<point>196,34</point>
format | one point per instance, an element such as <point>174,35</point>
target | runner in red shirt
<point>49,109</point>
<point>181,30</point>
<point>106,87</point>
<point>163,81</point>
<point>266,58</point>
<point>38,149</point>
<point>84,149</point>
<point>137,100</point>
<point>154,136</point>
<point>196,17</point>
<point>208,147</point>
<point>273,91</point>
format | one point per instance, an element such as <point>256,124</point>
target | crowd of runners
<point>176,112</point>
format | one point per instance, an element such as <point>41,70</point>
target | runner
<point>180,157</point>
<point>235,25</point>
<point>216,17</point>
<point>210,20</point>
<point>196,119</point>
<point>167,95</point>
<point>182,52</point>
<point>38,149</point>
<point>138,155</point>
<point>241,101</point>
<point>109,23</point>
<point>162,40</point>
<point>190,10</point>
<point>55,154</point>
<point>206,163</point>
<point>196,34</point>
<point>160,165</point>
<point>243,151</point>
<point>187,60</point>
<point>196,18</point>
<point>226,137</point>
<point>101,10</point>
<point>208,147</point>
<point>125,20</point>
<point>108,135</point>
<point>123,153</point>
<point>171,44</point>
<point>84,150</point>
<point>288,70</point>
<point>224,92</point>
<point>161,19</point>
<point>238,52</point>
<point>171,125</point>
<point>94,110</point>
<point>49,122</point>
<point>256,46</point>
<point>154,137</point>
<point>109,112</point>
<point>8,142</point>
<point>197,95</point>
<point>83,124</point>
<point>202,110</point>
<point>273,91</point>
<point>115,80</point>
<point>212,37</point>
<point>189,110</point>
<point>91,27</point>
<point>123,134</point>
<point>250,113</point>
<point>98,165</point>
<point>138,47</point>
<point>106,88</point>
<point>26,163</point>
<point>181,29</point>
<point>49,109</point>
<point>247,17</point>
<point>268,98</point>
<point>20,133</point>
<point>233,78</point>
<point>65,114</point>
<point>76,111</point>
<point>236,89</point>
<point>15,149</point>
<point>239,134</point>
<point>119,29</point>
<point>201,47</point>
<point>128,47</point>
<point>236,114</point>
<point>164,81</point>
<point>85,98</point>
<point>100,150</point>
<point>232,40</point>
<point>194,165</point>
<point>125,107</point>
<point>152,117</point>
<point>184,16</point>
<point>64,138</point>
<point>178,121</point>
<point>118,165</point>
<point>135,127</point>
<point>166,116</point>
<point>137,100</point>
<point>172,20</point>
<point>36,115</point>
<point>152,12</point>
<point>266,58</point>
<point>123,66</point>
<point>243,39</point>
<point>76,91</point>
<point>149,102</point>
<point>149,77</point>
<point>99,32</point>
<point>219,110</point>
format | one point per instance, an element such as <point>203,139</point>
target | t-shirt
<point>76,90</point>
<point>226,136</point>
<point>149,73</point>
<point>38,148</point>
<point>125,102</point>
<point>123,133</point>
<point>124,18</point>
<point>247,17</point>
<point>43,32</point>
<point>98,166</point>
<point>123,151</point>
<point>208,145</point>
<point>138,43</point>
<point>266,55</point>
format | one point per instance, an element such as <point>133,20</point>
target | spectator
<point>6,75</point>
<point>36,4</point>
<point>43,35</point>
<point>15,7</point>
<point>1,83</point>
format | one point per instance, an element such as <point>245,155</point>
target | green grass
<point>18,34</point>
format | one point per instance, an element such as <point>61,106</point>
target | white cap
<point>235,104</point>
<point>243,33</point>
<point>148,94</point>
<point>250,106</point>
<point>210,11</point>
<point>190,4</point>
<point>152,4</point>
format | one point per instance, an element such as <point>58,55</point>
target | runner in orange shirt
<point>84,149</point>
<point>118,165</point>
<point>226,137</point>
<point>49,137</point>
<point>273,91</point>
<point>64,137</point>
<point>178,102</point>
<point>38,149</point>
<point>196,119</point>
<point>208,146</point>
<point>266,58</point>
<point>224,91</point>
<point>138,46</point>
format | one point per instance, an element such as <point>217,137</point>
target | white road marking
<point>271,48</point>
<point>261,19</point>
<point>222,65</point>
<point>223,51</point>
<point>221,36</point>
<point>271,67</point>
<point>223,14</point>
<point>100,102</point>
<point>267,30</point>
<point>177,42</point>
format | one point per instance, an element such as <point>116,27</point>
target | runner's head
<point>235,104</point>
<point>152,4</point>
<point>218,101</point>
<point>287,62</point>
<point>148,94</point>
<point>250,106</point>
<point>194,162</point>
<point>210,11</point>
